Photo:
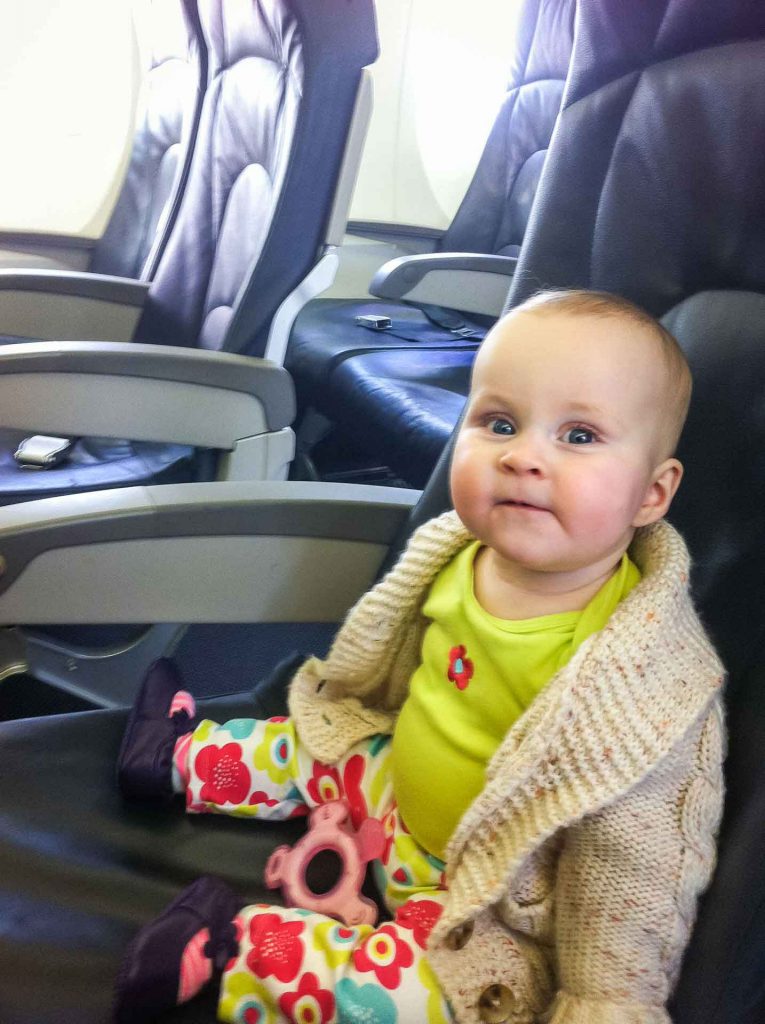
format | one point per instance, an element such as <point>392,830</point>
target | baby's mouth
<point>524,504</point>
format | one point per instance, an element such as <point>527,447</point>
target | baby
<point>527,703</point>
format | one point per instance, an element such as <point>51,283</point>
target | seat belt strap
<point>451,321</point>
<point>43,452</point>
<point>448,320</point>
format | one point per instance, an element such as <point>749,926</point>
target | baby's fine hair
<point>580,301</point>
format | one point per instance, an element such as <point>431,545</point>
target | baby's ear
<point>664,483</point>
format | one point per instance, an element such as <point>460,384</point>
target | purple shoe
<point>145,762</point>
<point>149,979</point>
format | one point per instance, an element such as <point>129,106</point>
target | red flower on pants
<point>420,916</point>
<point>277,948</point>
<point>310,1004</point>
<point>353,773</point>
<point>226,779</point>
<point>261,797</point>
<point>385,954</point>
<point>460,668</point>
<point>324,784</point>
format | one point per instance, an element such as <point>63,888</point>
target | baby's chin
<point>548,566</point>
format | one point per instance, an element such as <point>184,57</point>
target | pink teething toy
<point>329,829</point>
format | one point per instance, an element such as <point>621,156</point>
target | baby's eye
<point>499,425</point>
<point>579,435</point>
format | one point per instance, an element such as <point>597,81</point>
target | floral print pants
<point>297,965</point>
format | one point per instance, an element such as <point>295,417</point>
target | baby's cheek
<point>470,496</point>
<point>602,505</point>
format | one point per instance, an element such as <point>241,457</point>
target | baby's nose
<point>522,455</point>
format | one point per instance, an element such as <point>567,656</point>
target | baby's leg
<point>282,965</point>
<point>297,965</point>
<point>246,767</point>
<point>261,769</point>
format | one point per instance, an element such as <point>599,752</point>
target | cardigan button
<point>459,937</point>
<point>496,1004</point>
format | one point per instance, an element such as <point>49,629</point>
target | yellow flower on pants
<point>276,753</point>
<point>241,992</point>
<point>337,941</point>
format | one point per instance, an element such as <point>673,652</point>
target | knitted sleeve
<point>627,887</point>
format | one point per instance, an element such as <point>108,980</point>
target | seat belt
<point>43,452</point>
<point>447,319</point>
<point>453,321</point>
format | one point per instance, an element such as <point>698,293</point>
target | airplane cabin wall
<point>70,80</point>
<point>439,81</point>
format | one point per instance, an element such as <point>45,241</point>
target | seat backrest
<point>655,189</point>
<point>283,80</point>
<point>720,509</point>
<point>147,205</point>
<point>493,215</point>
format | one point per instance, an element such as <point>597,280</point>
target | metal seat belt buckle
<point>42,452</point>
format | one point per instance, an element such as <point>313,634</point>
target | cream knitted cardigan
<point>580,862</point>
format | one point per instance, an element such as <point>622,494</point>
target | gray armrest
<point>52,304</point>
<point>144,392</point>
<point>470,282</point>
<point>254,552</point>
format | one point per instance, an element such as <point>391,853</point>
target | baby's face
<point>561,440</point>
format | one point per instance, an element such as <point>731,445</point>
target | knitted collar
<point>604,721</point>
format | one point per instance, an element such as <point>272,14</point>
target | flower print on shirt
<point>460,670</point>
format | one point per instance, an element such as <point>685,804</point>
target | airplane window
<point>68,83</point>
<point>70,80</point>
<point>440,79</point>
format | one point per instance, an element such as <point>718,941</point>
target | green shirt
<point>477,676</point>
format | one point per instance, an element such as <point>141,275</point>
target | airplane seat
<point>636,170</point>
<point>720,510</point>
<point>157,169</point>
<point>648,142</point>
<point>268,173</point>
<point>81,871</point>
<point>491,219</point>
<point>174,58</point>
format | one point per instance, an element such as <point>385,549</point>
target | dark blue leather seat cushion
<point>326,334</point>
<point>94,465</point>
<point>401,406</point>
